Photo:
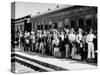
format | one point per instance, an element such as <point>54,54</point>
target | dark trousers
<point>62,47</point>
<point>70,49</point>
<point>27,47</point>
<point>82,53</point>
<point>78,48</point>
<point>49,49</point>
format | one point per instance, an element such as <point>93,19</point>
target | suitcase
<point>58,54</point>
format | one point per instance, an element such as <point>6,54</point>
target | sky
<point>27,8</point>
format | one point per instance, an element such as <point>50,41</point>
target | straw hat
<point>72,29</point>
<point>32,32</point>
<point>79,30</point>
<point>67,30</point>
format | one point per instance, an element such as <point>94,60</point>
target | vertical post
<point>35,25</point>
<point>63,24</point>
<point>32,26</point>
<point>84,21</point>
<point>76,21</point>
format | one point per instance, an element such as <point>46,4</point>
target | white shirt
<point>55,35</point>
<point>72,37</point>
<point>62,37</point>
<point>79,37</point>
<point>33,38</point>
<point>26,35</point>
<point>90,37</point>
<point>56,41</point>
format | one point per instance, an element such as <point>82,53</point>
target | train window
<point>81,22</point>
<point>28,27</point>
<point>73,23</point>
<point>88,19</point>
<point>41,27</point>
<point>89,22</point>
<point>38,27</point>
<point>88,16</point>
<point>49,26</point>
<point>60,23</point>
<point>66,21</point>
<point>46,27</point>
<point>55,25</point>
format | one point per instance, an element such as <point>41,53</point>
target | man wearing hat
<point>41,45</point>
<point>66,43</point>
<point>61,38</point>
<point>32,41</point>
<point>89,40</point>
<point>79,40</point>
<point>55,44</point>
<point>27,41</point>
<point>72,37</point>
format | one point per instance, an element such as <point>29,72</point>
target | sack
<point>73,51</point>
<point>27,41</point>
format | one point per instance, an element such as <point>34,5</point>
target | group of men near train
<point>68,42</point>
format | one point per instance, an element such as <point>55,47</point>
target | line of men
<point>67,42</point>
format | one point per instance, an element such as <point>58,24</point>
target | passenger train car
<point>60,18</point>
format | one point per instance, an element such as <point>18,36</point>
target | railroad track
<point>34,64</point>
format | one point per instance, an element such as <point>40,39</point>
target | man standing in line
<point>66,43</point>
<point>55,43</point>
<point>27,42</point>
<point>41,45</point>
<point>79,40</point>
<point>72,37</point>
<point>89,40</point>
<point>62,49</point>
<point>32,41</point>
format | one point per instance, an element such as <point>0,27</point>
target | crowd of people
<point>68,42</point>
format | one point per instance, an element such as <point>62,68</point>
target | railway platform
<point>44,63</point>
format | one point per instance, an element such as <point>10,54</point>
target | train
<point>67,17</point>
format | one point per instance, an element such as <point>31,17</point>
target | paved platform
<point>61,64</point>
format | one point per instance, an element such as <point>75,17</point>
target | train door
<point>81,22</point>
<point>38,27</point>
<point>46,27</point>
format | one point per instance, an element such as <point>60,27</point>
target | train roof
<point>60,9</point>
<point>50,11</point>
